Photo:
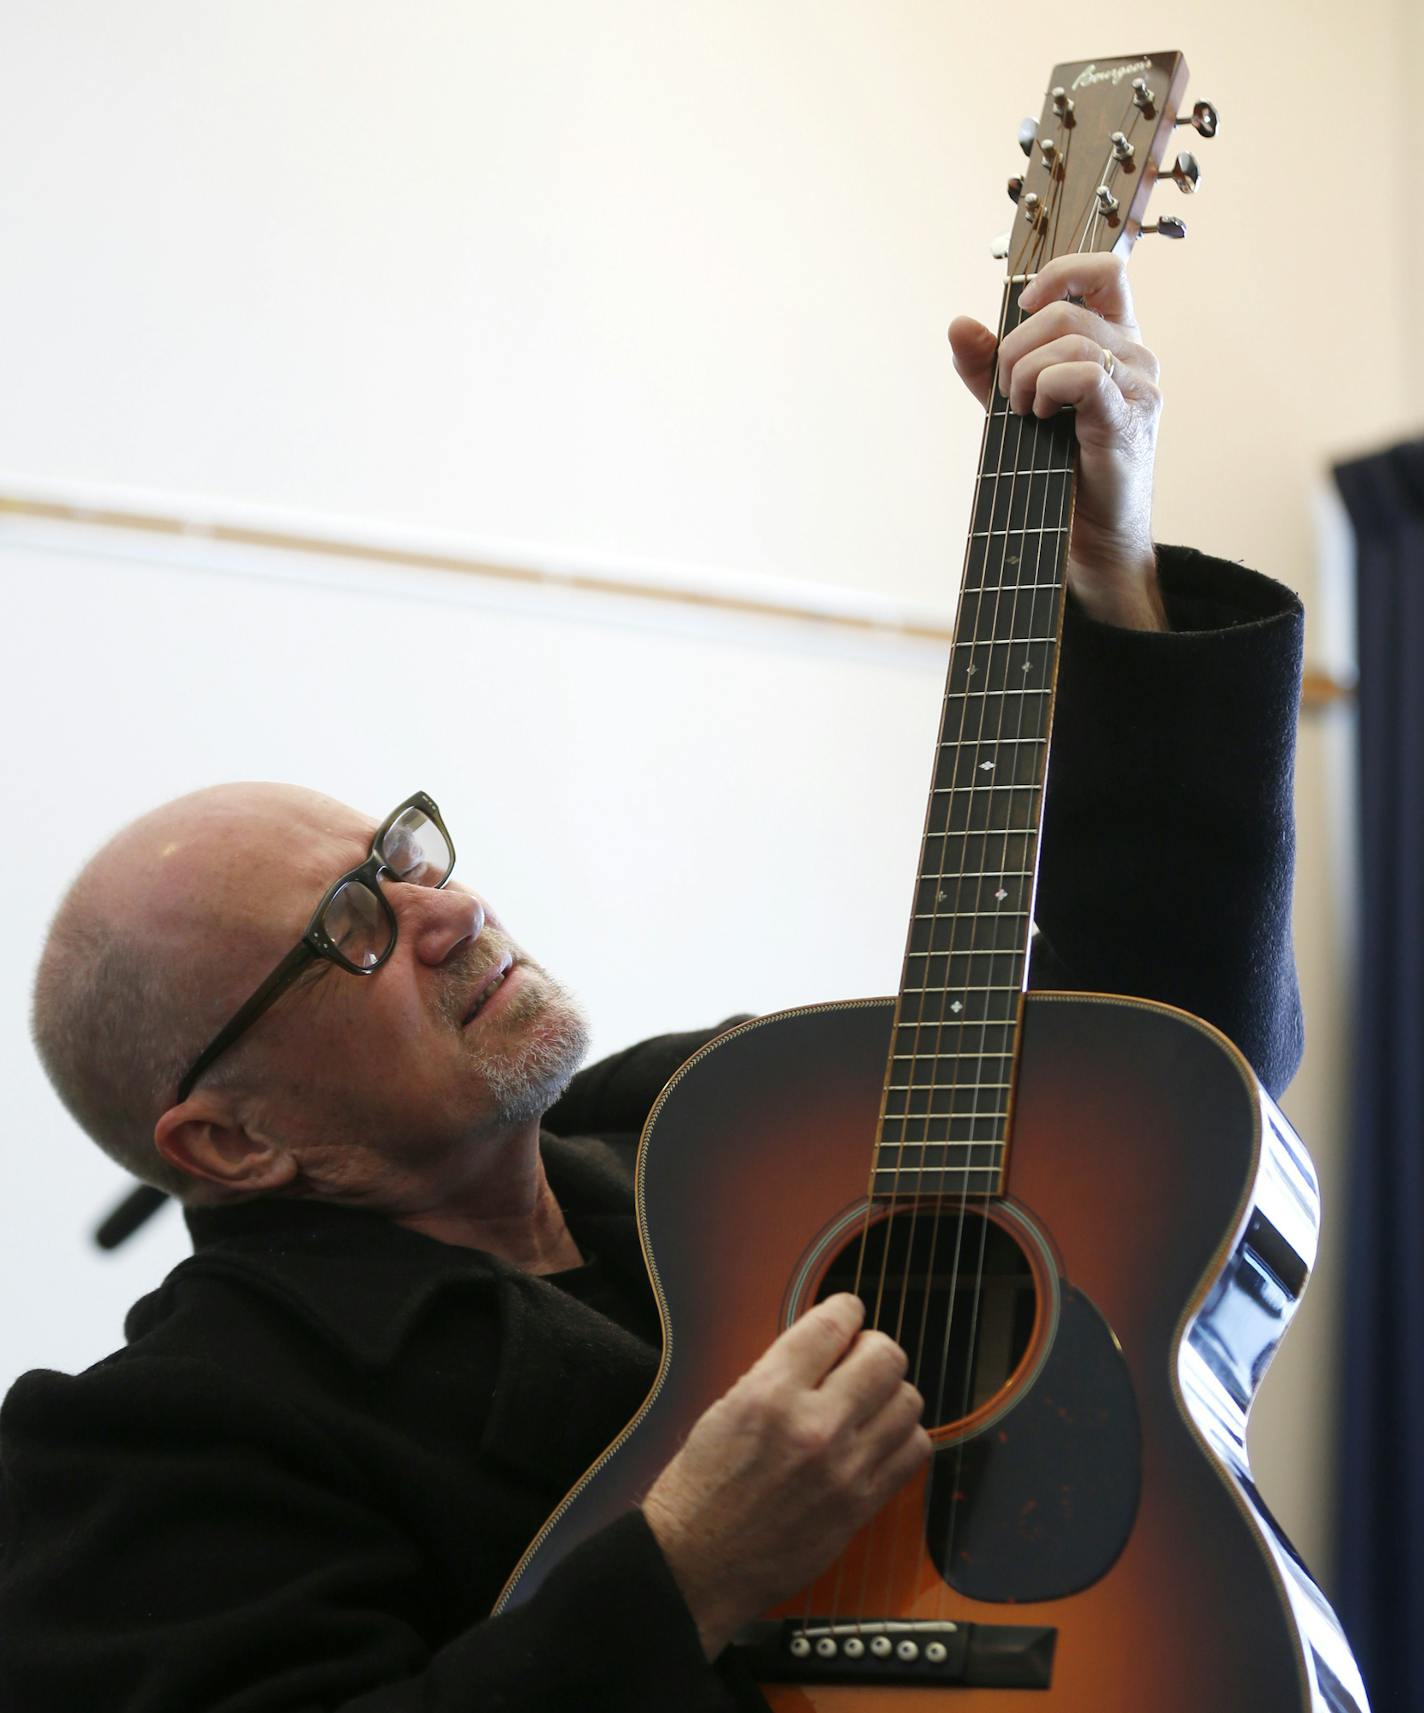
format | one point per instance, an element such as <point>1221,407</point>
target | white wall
<point>650,283</point>
<point>684,816</point>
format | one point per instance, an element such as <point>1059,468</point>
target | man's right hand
<point>777,1476</point>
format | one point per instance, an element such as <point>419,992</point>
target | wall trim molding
<point>739,594</point>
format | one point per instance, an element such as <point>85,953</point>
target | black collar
<point>362,1281</point>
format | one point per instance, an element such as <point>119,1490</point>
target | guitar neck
<point>945,1108</point>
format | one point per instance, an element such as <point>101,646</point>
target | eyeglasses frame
<point>316,943</point>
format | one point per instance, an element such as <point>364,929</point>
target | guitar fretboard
<point>949,1080</point>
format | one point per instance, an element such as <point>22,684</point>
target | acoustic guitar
<point>1082,1215</point>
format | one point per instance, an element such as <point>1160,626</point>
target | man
<point>412,1319</point>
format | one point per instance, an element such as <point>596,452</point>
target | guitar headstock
<point>1095,156</point>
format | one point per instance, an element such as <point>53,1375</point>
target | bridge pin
<point>800,1647</point>
<point>826,1647</point>
<point>881,1647</point>
<point>936,1653</point>
<point>907,1649</point>
<point>853,1647</point>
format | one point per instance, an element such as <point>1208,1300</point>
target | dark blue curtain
<point>1381,1475</point>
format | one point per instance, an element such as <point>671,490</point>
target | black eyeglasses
<point>354,926</point>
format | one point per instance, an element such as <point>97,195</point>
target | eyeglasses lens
<point>415,850</point>
<point>358,925</point>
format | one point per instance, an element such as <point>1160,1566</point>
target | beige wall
<point>663,287</point>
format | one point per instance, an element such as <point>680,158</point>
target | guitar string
<point>1034,432</point>
<point>1112,171</point>
<point>978,790</point>
<point>919,1050</point>
<point>897,1033</point>
<point>1025,431</point>
<point>1042,241</point>
<point>933,918</point>
<point>869,1539</point>
<point>1047,433</point>
<point>1048,437</point>
<point>961,745</point>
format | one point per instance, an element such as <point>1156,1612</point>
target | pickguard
<point>1040,1503</point>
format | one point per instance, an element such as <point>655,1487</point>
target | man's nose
<point>444,921</point>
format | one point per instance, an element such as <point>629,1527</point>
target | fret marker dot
<point>940,896</point>
<point>986,767</point>
<point>1001,895</point>
<point>971,670</point>
<point>1012,559</point>
<point>1027,666</point>
<point>956,1006</point>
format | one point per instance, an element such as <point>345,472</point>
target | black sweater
<point>303,1482</point>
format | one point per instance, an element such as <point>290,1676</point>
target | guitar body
<point>1081,1216</point>
<point>1091,1516</point>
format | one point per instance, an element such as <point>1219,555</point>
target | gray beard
<point>526,1076</point>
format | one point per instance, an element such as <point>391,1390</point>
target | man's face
<point>457,1037</point>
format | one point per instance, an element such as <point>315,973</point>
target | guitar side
<point>1168,1194</point>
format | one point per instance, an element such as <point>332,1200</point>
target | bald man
<point>417,1308</point>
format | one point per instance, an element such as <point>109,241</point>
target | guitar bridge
<point>896,1650</point>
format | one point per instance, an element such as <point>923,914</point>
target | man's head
<point>348,1085</point>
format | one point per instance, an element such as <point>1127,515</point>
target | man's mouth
<point>496,980</point>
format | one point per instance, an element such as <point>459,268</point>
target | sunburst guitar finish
<point>1091,1520</point>
<point>1081,1216</point>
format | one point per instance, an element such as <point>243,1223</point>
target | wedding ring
<point>1109,361</point>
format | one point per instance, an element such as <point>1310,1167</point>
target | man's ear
<point>205,1138</point>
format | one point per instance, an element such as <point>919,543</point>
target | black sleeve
<point>616,1095</point>
<point>156,1561</point>
<point>1169,835</point>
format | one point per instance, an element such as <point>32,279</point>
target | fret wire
<point>990,987</point>
<point>890,1168</point>
<point>1042,690</point>
<point>978,873</point>
<point>978,743</point>
<point>970,952</point>
<point>1036,529</point>
<point>914,1171</point>
<point>952,1121</point>
<point>985,1145</point>
<point>1051,470</point>
<point>988,785</point>
<point>974,1088</point>
<point>915,1057</point>
<point>962,1145</point>
<point>1003,641</point>
<point>982,1167</point>
<point>1004,588</point>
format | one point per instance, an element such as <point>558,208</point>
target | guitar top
<point>1081,1216</point>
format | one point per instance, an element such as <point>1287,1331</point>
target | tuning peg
<point>999,247</point>
<point>1186,173</point>
<point>1015,187</point>
<point>1169,226</point>
<point>1028,134</point>
<point>1203,117</point>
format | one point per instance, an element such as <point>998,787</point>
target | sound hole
<point>955,1289</point>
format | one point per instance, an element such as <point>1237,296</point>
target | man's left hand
<point>1087,353</point>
